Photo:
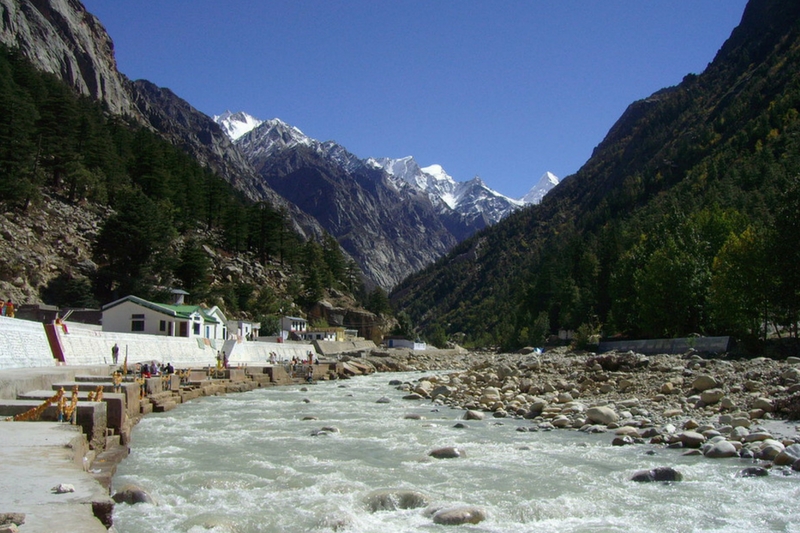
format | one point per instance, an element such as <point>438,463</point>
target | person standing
<point>9,309</point>
<point>115,353</point>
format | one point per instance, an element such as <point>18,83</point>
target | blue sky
<point>500,89</point>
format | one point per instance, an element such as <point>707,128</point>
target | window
<point>196,328</point>
<point>137,322</point>
<point>162,326</point>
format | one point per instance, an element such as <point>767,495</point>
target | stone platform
<point>38,456</point>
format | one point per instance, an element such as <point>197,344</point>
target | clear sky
<point>505,90</point>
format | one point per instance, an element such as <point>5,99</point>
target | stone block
<point>90,416</point>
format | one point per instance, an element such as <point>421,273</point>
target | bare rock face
<point>61,37</point>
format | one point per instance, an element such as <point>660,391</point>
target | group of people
<point>7,308</point>
<point>153,369</point>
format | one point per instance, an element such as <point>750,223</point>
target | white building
<point>293,325</point>
<point>244,329</point>
<point>135,315</point>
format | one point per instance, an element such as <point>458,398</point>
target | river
<point>248,462</point>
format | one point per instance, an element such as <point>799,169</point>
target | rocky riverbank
<point>717,407</point>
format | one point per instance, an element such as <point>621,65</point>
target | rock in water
<point>662,473</point>
<point>393,499</point>
<point>473,415</point>
<point>449,452</point>
<point>753,471</point>
<point>720,449</point>
<point>459,515</point>
<point>132,494</point>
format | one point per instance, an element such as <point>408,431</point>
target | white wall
<point>23,344</point>
<point>118,319</point>
<point>85,346</point>
<point>257,353</point>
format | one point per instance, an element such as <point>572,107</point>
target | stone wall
<point>668,346</point>
<point>333,348</point>
<point>23,344</point>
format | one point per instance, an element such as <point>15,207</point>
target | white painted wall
<point>258,353</point>
<point>85,346</point>
<point>23,344</point>
<point>118,319</point>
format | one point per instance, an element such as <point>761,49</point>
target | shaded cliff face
<point>61,37</point>
<point>389,235</point>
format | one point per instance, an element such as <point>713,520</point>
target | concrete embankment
<point>56,477</point>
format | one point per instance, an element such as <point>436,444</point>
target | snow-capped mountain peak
<point>236,124</point>
<point>542,187</point>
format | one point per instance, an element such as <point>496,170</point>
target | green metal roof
<point>177,311</point>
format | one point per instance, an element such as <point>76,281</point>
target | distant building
<point>402,342</point>
<point>132,314</point>
<point>323,334</point>
<point>293,324</point>
<point>244,329</point>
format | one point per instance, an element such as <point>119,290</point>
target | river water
<point>249,463</point>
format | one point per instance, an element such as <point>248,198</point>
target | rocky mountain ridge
<point>389,229</point>
<point>473,200</point>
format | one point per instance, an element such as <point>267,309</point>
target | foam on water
<point>248,463</point>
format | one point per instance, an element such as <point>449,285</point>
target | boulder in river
<point>661,473</point>
<point>132,494</point>
<point>448,452</point>
<point>393,499</point>
<point>459,515</point>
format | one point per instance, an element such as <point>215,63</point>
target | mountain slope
<point>634,241</point>
<point>389,232</point>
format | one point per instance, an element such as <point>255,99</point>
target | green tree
<point>378,302</point>
<point>784,251</point>
<point>741,285</point>
<point>193,269</point>
<point>315,273</point>
<point>128,247</point>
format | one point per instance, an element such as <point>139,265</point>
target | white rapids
<point>248,462</point>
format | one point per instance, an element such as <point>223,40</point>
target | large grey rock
<point>601,415</point>
<point>704,382</point>
<point>711,396</point>
<point>720,449</point>
<point>788,456</point>
<point>471,414</point>
<point>770,449</point>
<point>692,439</point>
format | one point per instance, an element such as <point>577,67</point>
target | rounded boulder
<point>601,415</point>
<point>459,515</point>
<point>662,473</point>
<point>133,494</point>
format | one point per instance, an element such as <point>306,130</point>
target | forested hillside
<point>684,221</point>
<point>166,216</point>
